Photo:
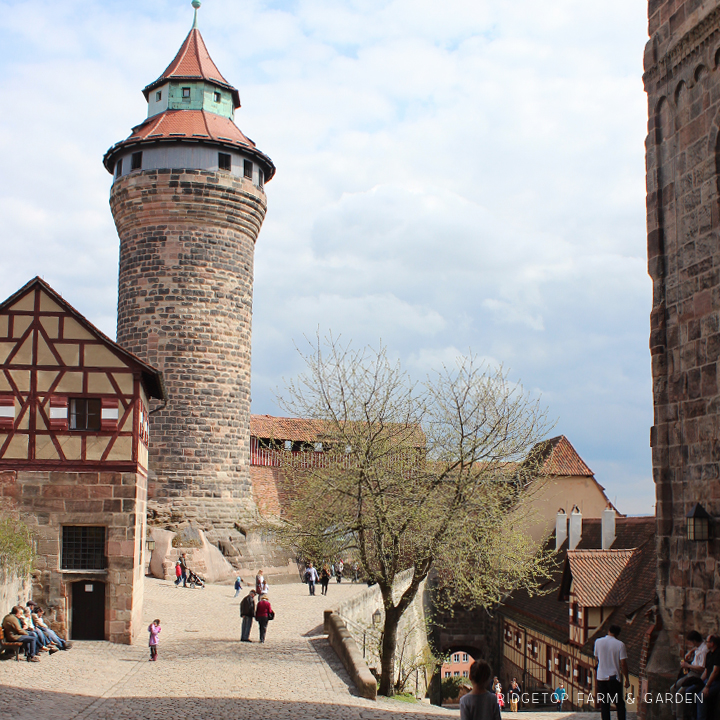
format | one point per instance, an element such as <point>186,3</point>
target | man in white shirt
<point>611,656</point>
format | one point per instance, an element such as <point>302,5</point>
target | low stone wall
<point>347,650</point>
<point>14,590</point>
<point>357,616</point>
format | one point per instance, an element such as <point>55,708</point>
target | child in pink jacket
<point>154,629</point>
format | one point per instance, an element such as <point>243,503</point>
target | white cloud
<point>456,175</point>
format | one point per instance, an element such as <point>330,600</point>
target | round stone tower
<point>188,201</point>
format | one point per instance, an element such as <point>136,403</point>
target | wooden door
<point>88,610</point>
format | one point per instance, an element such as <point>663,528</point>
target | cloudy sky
<point>452,176</point>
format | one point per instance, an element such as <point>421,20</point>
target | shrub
<point>16,545</point>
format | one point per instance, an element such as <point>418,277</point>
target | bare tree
<point>428,476</point>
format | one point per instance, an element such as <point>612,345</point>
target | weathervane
<point>196,4</point>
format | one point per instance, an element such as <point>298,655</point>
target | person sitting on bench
<point>13,631</point>
<point>39,620</point>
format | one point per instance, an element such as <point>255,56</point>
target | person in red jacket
<point>263,614</point>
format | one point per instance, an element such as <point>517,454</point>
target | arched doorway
<point>88,610</point>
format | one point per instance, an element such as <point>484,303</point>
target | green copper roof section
<point>196,4</point>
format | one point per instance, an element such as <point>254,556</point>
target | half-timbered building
<point>605,576</point>
<point>73,460</point>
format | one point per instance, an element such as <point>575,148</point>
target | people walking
<point>480,704</point>
<point>611,655</point>
<point>238,585</point>
<point>259,580</point>
<point>178,573</point>
<point>356,573</point>
<point>263,614</point>
<point>154,629</point>
<point>560,695</point>
<point>324,579</point>
<point>183,569</point>
<point>339,570</point>
<point>311,577</point>
<point>247,613</point>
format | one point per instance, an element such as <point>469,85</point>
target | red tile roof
<point>311,431</point>
<point>193,125</point>
<point>595,574</point>
<point>280,428</point>
<point>193,62</point>
<point>557,456</point>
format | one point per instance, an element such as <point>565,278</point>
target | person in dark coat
<point>247,613</point>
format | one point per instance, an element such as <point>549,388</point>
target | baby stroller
<point>195,580</point>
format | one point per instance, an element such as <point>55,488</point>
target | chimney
<point>560,528</point>
<point>575,527</point>
<point>608,527</point>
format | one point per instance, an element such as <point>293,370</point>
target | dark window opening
<point>247,169</point>
<point>85,413</point>
<point>261,177</point>
<point>186,92</point>
<point>118,168</point>
<point>217,97</point>
<point>224,161</point>
<point>136,161</point>
<point>83,548</point>
<point>158,96</point>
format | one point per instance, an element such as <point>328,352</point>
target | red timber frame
<point>47,349</point>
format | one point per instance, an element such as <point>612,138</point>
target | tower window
<point>85,413</point>
<point>217,97</point>
<point>158,96</point>
<point>261,177</point>
<point>247,169</point>
<point>136,161</point>
<point>118,168</point>
<point>186,93</point>
<point>224,161</point>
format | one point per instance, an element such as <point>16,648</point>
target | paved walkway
<point>204,672</point>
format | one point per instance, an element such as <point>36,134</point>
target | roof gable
<point>81,328</point>
<point>558,457</point>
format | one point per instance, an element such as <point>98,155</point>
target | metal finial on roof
<point>196,4</point>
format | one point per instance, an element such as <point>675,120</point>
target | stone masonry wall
<point>187,241</point>
<point>682,80</point>
<point>48,500</point>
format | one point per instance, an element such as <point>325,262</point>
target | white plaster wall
<point>188,156</point>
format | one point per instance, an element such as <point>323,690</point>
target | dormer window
<point>217,97</point>
<point>224,161</point>
<point>158,96</point>
<point>186,93</point>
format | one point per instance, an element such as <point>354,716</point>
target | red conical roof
<point>193,62</point>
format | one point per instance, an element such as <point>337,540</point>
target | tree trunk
<point>387,653</point>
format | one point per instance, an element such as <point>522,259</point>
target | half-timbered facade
<point>73,460</point>
<point>550,638</point>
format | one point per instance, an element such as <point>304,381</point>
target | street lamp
<point>698,523</point>
<point>150,544</point>
<point>376,617</point>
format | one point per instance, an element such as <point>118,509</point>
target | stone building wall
<point>47,500</point>
<point>682,80</point>
<point>187,241</point>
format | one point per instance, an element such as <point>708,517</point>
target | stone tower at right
<point>682,81</point>
<point>188,199</point>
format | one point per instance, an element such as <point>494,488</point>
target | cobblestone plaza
<point>204,671</point>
